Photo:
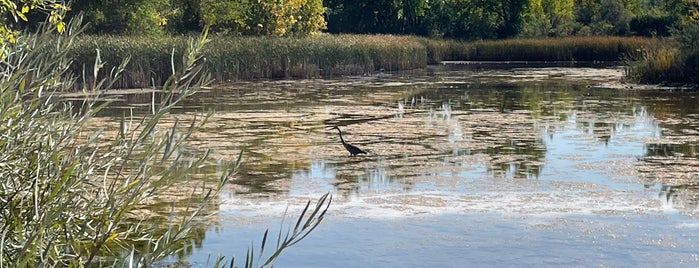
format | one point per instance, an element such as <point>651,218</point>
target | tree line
<point>457,19</point>
<point>486,19</point>
<point>450,19</point>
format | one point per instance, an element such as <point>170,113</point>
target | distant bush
<point>651,25</point>
<point>670,62</point>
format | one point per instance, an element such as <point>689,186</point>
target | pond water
<point>467,166</point>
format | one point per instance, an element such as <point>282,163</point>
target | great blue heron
<point>353,150</point>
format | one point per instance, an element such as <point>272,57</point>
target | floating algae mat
<point>487,167</point>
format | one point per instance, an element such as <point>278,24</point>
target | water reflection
<point>682,197</point>
<point>458,131</point>
<point>318,177</point>
<point>519,142</point>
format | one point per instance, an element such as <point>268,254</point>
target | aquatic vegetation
<point>462,126</point>
<point>244,58</point>
<point>579,48</point>
<point>674,61</point>
<point>662,62</point>
<point>554,146</point>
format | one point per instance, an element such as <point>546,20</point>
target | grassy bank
<point>243,58</point>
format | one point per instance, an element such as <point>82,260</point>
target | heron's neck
<point>341,139</point>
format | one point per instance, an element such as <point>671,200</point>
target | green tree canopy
<point>245,17</point>
<point>461,19</point>
<point>14,12</point>
<point>122,16</point>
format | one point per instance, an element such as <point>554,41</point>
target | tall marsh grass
<point>151,58</point>
<point>593,48</point>
<point>244,58</point>
<point>326,55</point>
<point>663,63</point>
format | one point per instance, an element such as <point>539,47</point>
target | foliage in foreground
<point>73,196</point>
<point>303,227</point>
<point>69,197</point>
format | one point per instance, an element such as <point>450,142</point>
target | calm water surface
<point>467,167</point>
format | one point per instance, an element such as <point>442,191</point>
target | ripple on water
<point>511,165</point>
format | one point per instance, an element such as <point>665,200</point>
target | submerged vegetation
<point>242,58</point>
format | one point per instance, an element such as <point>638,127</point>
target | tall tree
<point>282,18</point>
<point>451,18</point>
<point>224,15</point>
<point>585,10</point>
<point>258,17</point>
<point>511,14</point>
<point>687,32</point>
<point>14,13</point>
<point>561,16</point>
<point>535,21</point>
<point>478,19</point>
<point>613,18</point>
<point>362,16</point>
<point>310,18</point>
<point>411,16</point>
<point>123,16</point>
<point>185,16</point>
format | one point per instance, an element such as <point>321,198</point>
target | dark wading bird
<point>353,150</point>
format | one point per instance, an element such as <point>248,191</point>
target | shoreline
<point>532,71</point>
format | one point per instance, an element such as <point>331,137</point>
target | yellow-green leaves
<point>18,10</point>
<point>264,17</point>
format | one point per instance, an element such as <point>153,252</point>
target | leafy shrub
<point>71,196</point>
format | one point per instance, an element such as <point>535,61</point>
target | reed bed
<point>151,60</point>
<point>274,57</point>
<point>594,48</point>
<point>244,58</point>
<point>664,63</point>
